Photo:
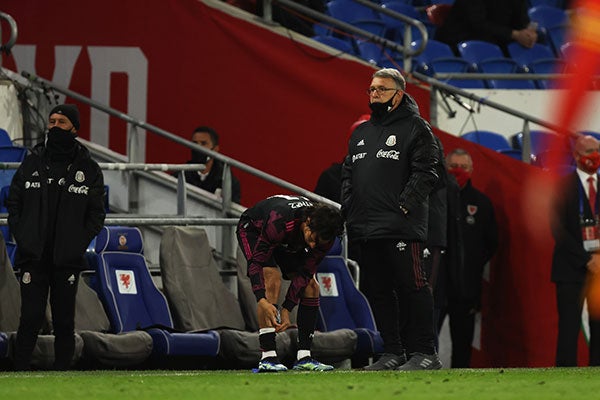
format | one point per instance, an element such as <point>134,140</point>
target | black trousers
<point>36,284</point>
<point>395,284</point>
<point>569,300</point>
<point>461,314</point>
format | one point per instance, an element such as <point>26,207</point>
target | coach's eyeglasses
<point>379,90</point>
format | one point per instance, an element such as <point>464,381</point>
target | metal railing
<point>453,91</point>
<point>406,50</point>
<point>6,47</point>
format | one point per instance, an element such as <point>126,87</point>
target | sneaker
<point>420,361</point>
<point>387,361</point>
<point>271,364</point>
<point>310,364</point>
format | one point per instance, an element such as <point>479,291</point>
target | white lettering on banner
<point>358,156</point>
<point>78,189</point>
<point>126,281</point>
<point>393,154</point>
<point>327,284</point>
<point>131,61</point>
<point>104,60</point>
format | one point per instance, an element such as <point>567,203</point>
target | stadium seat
<point>5,139</point>
<point>336,43</point>
<point>10,154</point>
<point>548,66</point>
<point>433,50</point>
<point>547,16</point>
<point>475,51</point>
<point>350,11</point>
<point>395,27</point>
<point>504,66</point>
<point>458,65</point>
<point>525,56</point>
<point>539,141</point>
<point>370,52</point>
<point>556,36</point>
<point>133,301</point>
<point>343,306</point>
<point>491,140</point>
<point>192,284</point>
<point>375,26</point>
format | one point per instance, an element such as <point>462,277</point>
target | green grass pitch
<point>528,384</point>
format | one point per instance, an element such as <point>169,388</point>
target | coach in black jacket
<point>570,262</point>
<point>387,176</point>
<point>55,208</point>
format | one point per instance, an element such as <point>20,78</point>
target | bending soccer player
<point>287,236</point>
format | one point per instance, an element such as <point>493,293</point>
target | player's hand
<point>267,314</point>
<point>285,320</point>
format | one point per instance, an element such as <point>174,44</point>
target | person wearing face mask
<point>473,239</point>
<point>211,179</point>
<point>387,176</point>
<point>55,208</point>
<point>575,231</point>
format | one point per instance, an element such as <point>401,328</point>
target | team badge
<point>26,278</point>
<point>122,242</point>
<point>391,140</point>
<point>71,279</point>
<point>472,210</point>
<point>79,176</point>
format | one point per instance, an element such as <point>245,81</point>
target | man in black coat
<point>575,231</point>
<point>55,208</point>
<point>387,177</point>
<point>211,179</point>
<point>499,22</point>
<point>477,230</point>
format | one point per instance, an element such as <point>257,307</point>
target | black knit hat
<point>68,110</point>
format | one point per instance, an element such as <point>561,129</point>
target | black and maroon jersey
<point>269,234</point>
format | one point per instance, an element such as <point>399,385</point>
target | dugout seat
<point>343,306</point>
<point>133,301</point>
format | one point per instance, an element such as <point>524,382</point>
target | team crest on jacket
<point>391,140</point>
<point>472,210</point>
<point>79,176</point>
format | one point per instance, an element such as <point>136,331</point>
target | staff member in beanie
<point>55,208</point>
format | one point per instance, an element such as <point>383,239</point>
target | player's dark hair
<point>325,221</point>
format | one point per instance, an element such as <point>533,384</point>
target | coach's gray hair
<point>394,74</point>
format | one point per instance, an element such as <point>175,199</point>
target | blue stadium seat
<point>5,139</point>
<point>433,50</point>
<point>547,16</point>
<point>525,56</point>
<point>336,43</point>
<point>342,305</point>
<point>133,301</point>
<point>475,51</point>
<point>370,51</point>
<point>395,27</point>
<point>512,153</point>
<point>504,66</point>
<point>374,26</point>
<point>491,140</point>
<point>547,66</point>
<point>350,11</point>
<point>539,141</point>
<point>455,64</point>
<point>10,154</point>
<point>556,36</point>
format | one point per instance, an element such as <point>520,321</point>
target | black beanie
<point>68,110</point>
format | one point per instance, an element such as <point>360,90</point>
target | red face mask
<point>462,175</point>
<point>590,162</point>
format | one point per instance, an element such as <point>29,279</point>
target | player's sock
<point>307,319</point>
<point>266,338</point>
<point>302,353</point>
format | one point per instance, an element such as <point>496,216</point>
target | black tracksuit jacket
<point>391,162</point>
<point>80,213</point>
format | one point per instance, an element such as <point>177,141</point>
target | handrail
<point>405,49</point>
<point>13,33</point>
<point>45,84</point>
<point>445,88</point>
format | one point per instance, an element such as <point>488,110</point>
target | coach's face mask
<point>462,176</point>
<point>381,109</point>
<point>199,157</point>
<point>590,162</point>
